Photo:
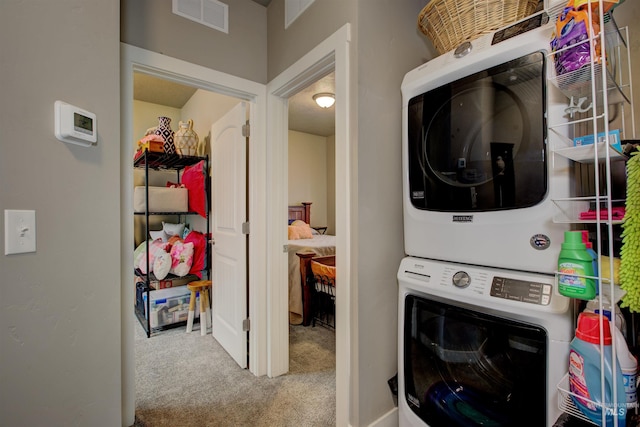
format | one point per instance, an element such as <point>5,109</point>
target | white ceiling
<point>304,115</point>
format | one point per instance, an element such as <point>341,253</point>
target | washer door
<point>478,143</point>
<point>465,368</point>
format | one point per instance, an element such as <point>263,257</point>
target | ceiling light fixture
<point>324,100</point>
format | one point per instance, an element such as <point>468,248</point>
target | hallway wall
<point>60,306</point>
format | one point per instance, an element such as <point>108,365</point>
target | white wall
<point>60,311</point>
<point>308,167</point>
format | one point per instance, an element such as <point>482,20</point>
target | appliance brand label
<point>462,218</point>
<point>417,195</point>
<point>540,241</point>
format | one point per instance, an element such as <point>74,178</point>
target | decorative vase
<point>164,130</point>
<point>202,147</point>
<point>186,139</point>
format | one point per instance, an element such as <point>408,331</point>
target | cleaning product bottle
<point>594,256</point>
<point>575,266</point>
<point>584,372</point>
<point>628,365</point>
<point>616,317</point>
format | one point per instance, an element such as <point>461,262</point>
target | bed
<point>318,274</point>
<point>318,245</point>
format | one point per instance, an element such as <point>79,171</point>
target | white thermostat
<point>75,125</point>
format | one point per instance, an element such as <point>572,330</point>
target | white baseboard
<point>390,419</point>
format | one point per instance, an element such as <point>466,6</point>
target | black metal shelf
<point>149,160</point>
<point>166,213</point>
<point>164,161</point>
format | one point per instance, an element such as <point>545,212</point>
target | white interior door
<point>229,251</point>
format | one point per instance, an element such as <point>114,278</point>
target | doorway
<point>333,54</point>
<point>268,336</point>
<point>311,178</point>
<point>136,60</point>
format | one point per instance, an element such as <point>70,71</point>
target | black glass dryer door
<point>478,144</point>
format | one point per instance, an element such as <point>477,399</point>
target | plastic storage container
<point>585,375</point>
<point>575,268</point>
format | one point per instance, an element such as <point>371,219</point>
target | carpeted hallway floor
<point>185,380</point>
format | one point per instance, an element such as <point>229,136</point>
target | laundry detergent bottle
<point>628,365</point>
<point>575,268</point>
<point>584,372</point>
<point>594,256</point>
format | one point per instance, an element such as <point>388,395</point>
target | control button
<point>461,279</point>
<point>463,50</point>
<point>545,300</point>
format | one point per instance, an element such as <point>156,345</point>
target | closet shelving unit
<point>152,161</point>
<point>606,84</point>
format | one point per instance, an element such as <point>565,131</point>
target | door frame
<point>134,59</point>
<point>333,54</point>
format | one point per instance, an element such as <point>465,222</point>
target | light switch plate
<point>19,231</point>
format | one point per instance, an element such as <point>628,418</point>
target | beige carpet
<point>187,380</point>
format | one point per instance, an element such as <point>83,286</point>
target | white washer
<point>459,319</point>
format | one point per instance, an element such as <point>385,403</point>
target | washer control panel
<point>521,290</point>
<point>525,293</point>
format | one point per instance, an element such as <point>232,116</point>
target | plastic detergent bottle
<point>616,317</point>
<point>594,255</point>
<point>584,372</point>
<point>628,365</point>
<point>574,265</point>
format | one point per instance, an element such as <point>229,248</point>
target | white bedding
<point>322,245</point>
<point>161,199</point>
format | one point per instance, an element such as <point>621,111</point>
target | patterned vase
<point>164,130</point>
<point>186,139</point>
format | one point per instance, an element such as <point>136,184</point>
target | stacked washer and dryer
<point>483,332</point>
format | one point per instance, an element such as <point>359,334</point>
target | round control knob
<point>461,279</point>
<point>463,50</point>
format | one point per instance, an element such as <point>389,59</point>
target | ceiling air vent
<point>211,13</point>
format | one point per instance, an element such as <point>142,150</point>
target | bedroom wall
<point>204,108</point>
<point>308,170</point>
<point>145,116</point>
<point>386,44</point>
<point>60,306</point>
<point>331,184</point>
<point>150,24</point>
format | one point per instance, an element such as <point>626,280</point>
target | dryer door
<point>478,143</point>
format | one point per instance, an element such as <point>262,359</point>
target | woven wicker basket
<point>448,23</point>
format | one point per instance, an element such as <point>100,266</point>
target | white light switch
<point>19,231</point>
